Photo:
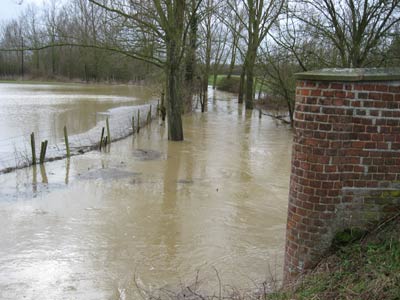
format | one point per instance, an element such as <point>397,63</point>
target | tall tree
<point>168,21</point>
<point>206,27</point>
<point>190,62</point>
<point>219,51</point>
<point>260,16</point>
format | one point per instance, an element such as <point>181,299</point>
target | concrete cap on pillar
<point>349,74</point>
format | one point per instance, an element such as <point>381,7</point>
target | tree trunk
<point>190,67</point>
<point>174,109</point>
<point>173,39</point>
<point>241,84</point>
<point>233,57</point>
<point>249,89</point>
<point>232,64</point>
<point>250,62</point>
<point>215,76</point>
<point>290,109</point>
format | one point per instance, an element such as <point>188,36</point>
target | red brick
<point>325,127</point>
<point>368,87</point>
<point>382,88</point>
<point>330,169</point>
<point>327,93</point>
<point>394,89</point>
<point>323,85</point>
<point>321,118</point>
<point>316,93</point>
<point>374,96</point>
<point>380,104</point>
<point>338,102</point>
<point>305,92</point>
<point>340,94</point>
<point>387,97</point>
<point>337,86</point>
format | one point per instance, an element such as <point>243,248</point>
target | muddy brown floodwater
<point>150,212</point>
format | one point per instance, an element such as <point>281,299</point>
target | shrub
<point>229,84</point>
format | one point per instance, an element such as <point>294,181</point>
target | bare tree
<point>236,28</point>
<point>355,28</point>
<point>219,50</point>
<point>279,66</point>
<point>168,22</point>
<point>260,16</point>
<point>206,32</point>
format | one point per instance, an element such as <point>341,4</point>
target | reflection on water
<point>67,167</point>
<point>100,220</point>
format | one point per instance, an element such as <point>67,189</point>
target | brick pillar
<point>345,161</point>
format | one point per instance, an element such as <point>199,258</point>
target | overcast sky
<point>10,8</point>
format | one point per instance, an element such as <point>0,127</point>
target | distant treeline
<point>48,39</point>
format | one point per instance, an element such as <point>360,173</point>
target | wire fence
<point>16,151</point>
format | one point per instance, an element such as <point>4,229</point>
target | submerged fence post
<point>66,141</point>
<point>43,149</point>
<point>163,110</point>
<point>101,138</point>
<point>33,148</point>
<point>149,115</point>
<point>41,152</point>
<point>138,121</point>
<point>108,131</point>
<point>259,113</point>
<point>133,123</point>
<point>158,108</point>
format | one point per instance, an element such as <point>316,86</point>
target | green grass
<point>219,78</point>
<point>369,269</point>
<point>230,85</point>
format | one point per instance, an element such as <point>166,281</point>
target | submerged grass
<point>366,269</point>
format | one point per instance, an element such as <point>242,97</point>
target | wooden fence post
<point>101,138</point>
<point>33,148</point>
<point>43,149</point>
<point>66,141</point>
<point>138,121</point>
<point>108,131</point>
<point>149,115</point>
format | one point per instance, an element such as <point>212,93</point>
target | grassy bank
<point>226,84</point>
<point>368,268</point>
<point>232,84</point>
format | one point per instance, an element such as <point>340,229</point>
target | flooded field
<point>150,212</point>
<point>46,108</point>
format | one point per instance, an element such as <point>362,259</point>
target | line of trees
<point>183,42</point>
